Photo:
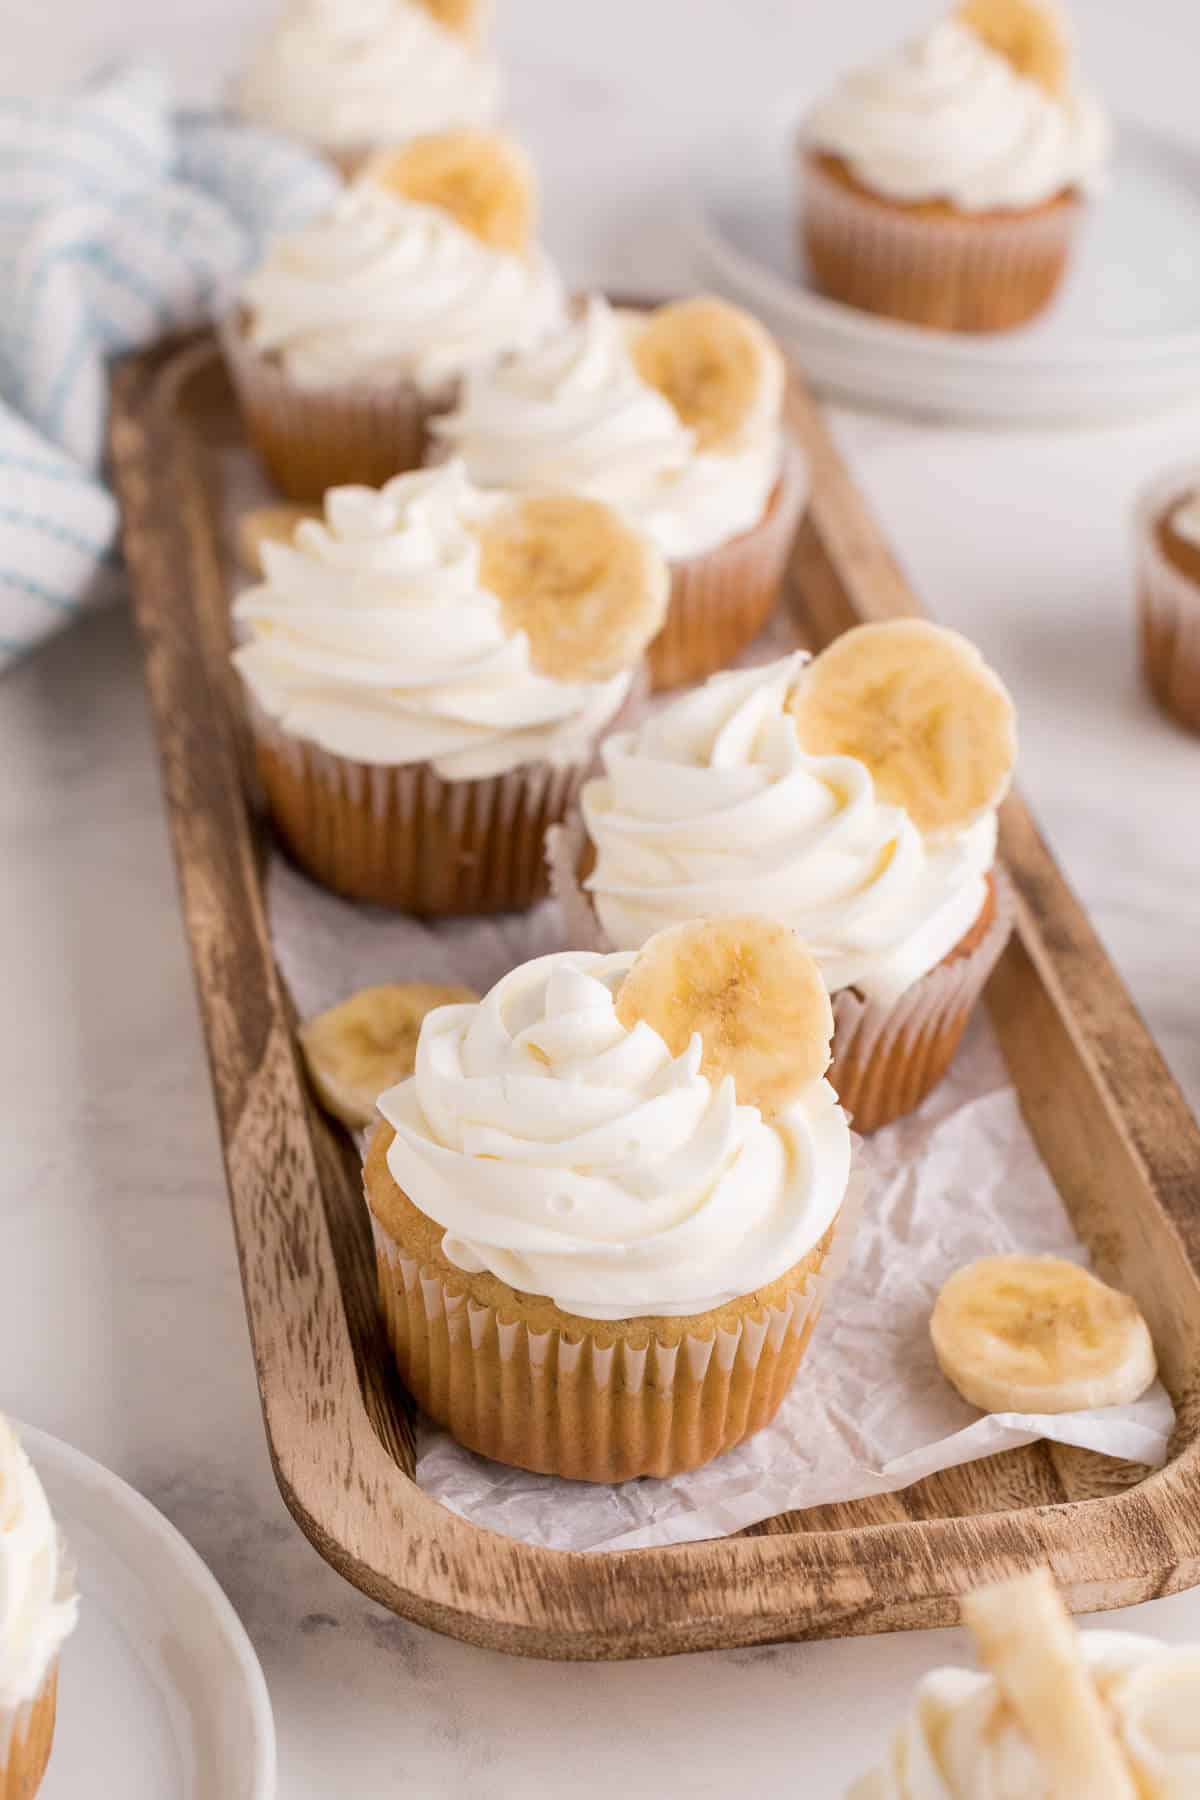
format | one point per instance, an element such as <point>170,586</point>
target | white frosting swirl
<point>574,412</point>
<point>1185,519</point>
<point>380,286</point>
<point>947,118</point>
<point>961,1742</point>
<point>38,1603</point>
<point>712,807</point>
<point>576,1159</point>
<point>350,74</point>
<point>373,637</point>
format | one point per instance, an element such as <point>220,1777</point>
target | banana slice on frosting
<point>751,991</point>
<point>369,1043</point>
<point>483,179</point>
<point>1031,35</point>
<point>715,364</point>
<point>1037,1334</point>
<point>462,18</point>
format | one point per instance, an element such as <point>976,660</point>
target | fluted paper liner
<point>401,836</point>
<point>960,273</point>
<point>887,1056</point>
<point>594,1403</point>
<point>25,1739</point>
<point>313,438</point>
<point>1168,605</point>
<point>721,599</point>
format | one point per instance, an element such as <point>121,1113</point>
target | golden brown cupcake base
<point>30,1741</point>
<point>513,1377</point>
<point>1169,606</point>
<point>886,1057</point>
<point>928,263</point>
<point>721,599</point>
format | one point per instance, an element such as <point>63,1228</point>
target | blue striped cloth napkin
<point>119,221</point>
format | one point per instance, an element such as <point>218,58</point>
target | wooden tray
<point>1110,1123</point>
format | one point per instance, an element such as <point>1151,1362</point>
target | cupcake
<point>854,800</point>
<point>1168,590</point>
<point>604,1205</point>
<point>38,1607</point>
<point>358,327</point>
<point>1106,1715</point>
<point>429,669</point>
<point>946,183</point>
<point>675,416</point>
<point>347,76</point>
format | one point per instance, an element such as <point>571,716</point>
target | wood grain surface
<point>1108,1118</point>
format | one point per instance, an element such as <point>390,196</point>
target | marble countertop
<point>121,1323</point>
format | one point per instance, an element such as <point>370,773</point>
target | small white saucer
<point>1123,337</point>
<point>160,1696</point>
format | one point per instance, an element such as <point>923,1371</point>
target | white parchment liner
<point>1168,604</point>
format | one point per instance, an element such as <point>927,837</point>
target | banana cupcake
<point>429,669</point>
<point>38,1609</point>
<point>1168,591</point>
<point>945,184</point>
<point>357,328</point>
<point>347,76</point>
<point>1095,1715</point>
<point>853,798</point>
<point>605,1203</point>
<point>675,416</point>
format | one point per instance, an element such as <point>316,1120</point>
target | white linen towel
<point>119,222</point>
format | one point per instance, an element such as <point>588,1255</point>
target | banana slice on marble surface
<point>751,991</point>
<point>483,179</point>
<point>1037,1334</point>
<point>588,590</point>
<point>721,371</point>
<point>918,706</point>
<point>368,1043</point>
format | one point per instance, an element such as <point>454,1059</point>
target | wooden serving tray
<point>1110,1122</point>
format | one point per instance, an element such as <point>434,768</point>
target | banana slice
<point>751,991</point>
<point>1025,1637</point>
<point>920,707</point>
<point>1033,37</point>
<point>587,589</point>
<point>462,18</point>
<point>715,364</point>
<point>368,1043</point>
<point>481,178</point>
<point>1035,1334</point>
<point>268,525</point>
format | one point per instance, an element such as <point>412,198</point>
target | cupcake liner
<point>721,599</point>
<point>598,1402</point>
<point>1168,606</point>
<point>954,272</point>
<point>25,1739</point>
<point>887,1056</point>
<point>313,438</point>
<point>401,836</point>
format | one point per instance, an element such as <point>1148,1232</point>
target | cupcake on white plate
<point>357,328</point>
<point>851,798</point>
<point>346,76</point>
<point>429,670</point>
<point>676,417</point>
<point>38,1611</point>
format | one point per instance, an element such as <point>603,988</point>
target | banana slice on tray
<point>1031,35</point>
<point>368,1043</point>
<point>463,18</point>
<point>918,706</point>
<point>481,178</point>
<point>587,589</point>
<point>1037,1334</point>
<point>753,993</point>
<point>1026,1639</point>
<point>715,364</point>
<point>268,525</point>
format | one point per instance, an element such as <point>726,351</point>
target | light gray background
<point>121,1325</point>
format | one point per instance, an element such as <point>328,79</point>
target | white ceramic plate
<point>1123,337</point>
<point>160,1696</point>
